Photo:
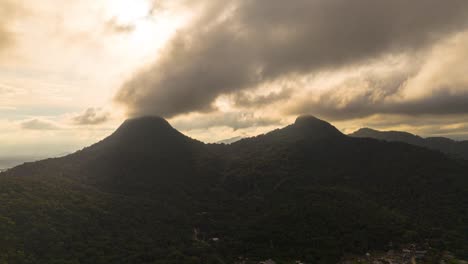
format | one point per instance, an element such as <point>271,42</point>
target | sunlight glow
<point>154,33</point>
<point>128,11</point>
<point>151,29</point>
<point>149,32</point>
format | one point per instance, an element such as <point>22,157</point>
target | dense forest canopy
<point>149,194</point>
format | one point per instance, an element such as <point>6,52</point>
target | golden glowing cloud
<point>128,11</point>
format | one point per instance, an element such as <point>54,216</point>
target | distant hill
<point>12,161</point>
<point>149,194</point>
<point>448,146</point>
<point>229,140</point>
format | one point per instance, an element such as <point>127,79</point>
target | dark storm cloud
<point>438,86</point>
<point>243,99</point>
<point>91,116</point>
<point>240,44</point>
<point>331,106</point>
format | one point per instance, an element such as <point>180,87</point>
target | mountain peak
<point>316,127</point>
<point>309,128</point>
<point>306,120</point>
<point>366,130</point>
<point>146,122</point>
<point>397,135</point>
<point>389,136</point>
<point>146,129</point>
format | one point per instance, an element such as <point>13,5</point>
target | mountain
<point>149,194</point>
<point>448,146</point>
<point>229,140</point>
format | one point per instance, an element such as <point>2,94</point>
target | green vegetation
<point>148,194</point>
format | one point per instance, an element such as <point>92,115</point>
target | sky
<point>72,71</point>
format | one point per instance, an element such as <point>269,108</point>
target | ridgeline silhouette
<point>457,149</point>
<point>149,194</point>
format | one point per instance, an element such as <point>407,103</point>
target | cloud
<point>237,45</point>
<point>113,26</point>
<point>451,126</point>
<point>91,116</point>
<point>245,99</point>
<point>39,124</point>
<point>6,89</point>
<point>438,85</point>
<point>8,11</point>
<point>234,120</point>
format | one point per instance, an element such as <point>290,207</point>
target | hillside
<point>149,194</point>
<point>456,149</point>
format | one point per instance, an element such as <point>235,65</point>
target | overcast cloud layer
<point>223,69</point>
<point>234,47</point>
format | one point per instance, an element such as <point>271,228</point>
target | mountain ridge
<point>448,146</point>
<point>149,194</point>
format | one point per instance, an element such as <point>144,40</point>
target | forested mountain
<point>149,194</point>
<point>448,146</point>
